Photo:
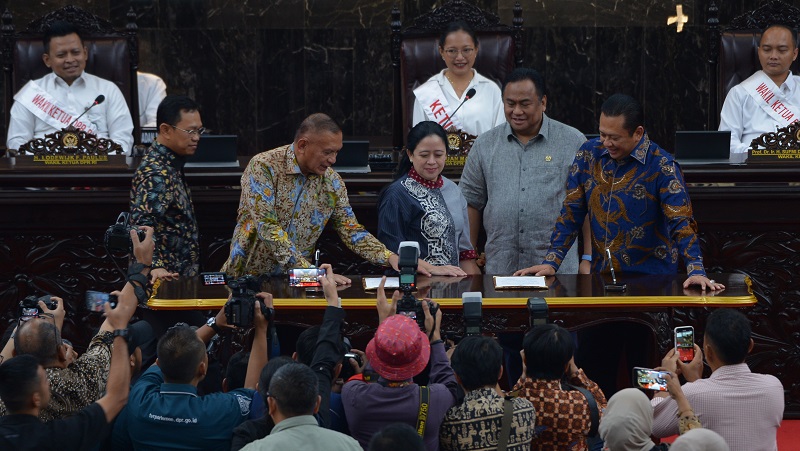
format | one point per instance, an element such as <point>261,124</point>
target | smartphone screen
<point>213,278</point>
<point>96,299</point>
<point>650,379</point>
<point>684,343</point>
<point>305,277</point>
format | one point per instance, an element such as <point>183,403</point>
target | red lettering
<point>436,104</point>
<point>38,100</point>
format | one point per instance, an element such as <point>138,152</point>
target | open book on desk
<point>516,282</point>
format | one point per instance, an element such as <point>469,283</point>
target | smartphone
<point>213,278</point>
<point>650,379</point>
<point>305,277</point>
<point>96,299</point>
<point>684,343</point>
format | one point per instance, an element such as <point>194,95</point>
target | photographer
<point>76,383</point>
<point>165,410</point>
<point>400,351</point>
<point>548,360</point>
<point>24,388</point>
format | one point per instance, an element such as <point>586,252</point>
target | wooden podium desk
<point>574,301</point>
<point>53,220</point>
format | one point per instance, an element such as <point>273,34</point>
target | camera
<point>30,305</point>
<point>472,302</point>
<point>118,235</point>
<point>240,309</point>
<point>347,368</point>
<point>408,304</point>
<point>537,311</point>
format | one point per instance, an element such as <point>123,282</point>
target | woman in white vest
<point>440,96</point>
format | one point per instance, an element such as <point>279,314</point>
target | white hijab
<point>628,422</point>
<point>700,440</point>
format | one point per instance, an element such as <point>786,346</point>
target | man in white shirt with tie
<point>769,99</point>
<point>54,101</point>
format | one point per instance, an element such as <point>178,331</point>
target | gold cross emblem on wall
<point>679,18</point>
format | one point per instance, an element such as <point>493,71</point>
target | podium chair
<point>415,55</point>
<point>112,54</point>
<point>733,51</point>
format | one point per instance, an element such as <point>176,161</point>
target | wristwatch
<point>212,323</point>
<point>121,333</point>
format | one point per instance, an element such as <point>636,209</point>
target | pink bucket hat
<point>399,350</point>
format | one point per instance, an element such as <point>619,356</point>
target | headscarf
<point>700,440</point>
<point>628,422</point>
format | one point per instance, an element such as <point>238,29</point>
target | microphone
<point>97,101</point>
<point>470,94</point>
<point>614,286</point>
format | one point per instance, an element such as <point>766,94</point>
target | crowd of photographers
<point>405,391</point>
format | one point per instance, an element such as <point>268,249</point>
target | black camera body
<point>347,368</point>
<point>473,314</point>
<point>537,310</point>
<point>30,305</point>
<point>408,304</point>
<point>118,235</point>
<point>240,309</point>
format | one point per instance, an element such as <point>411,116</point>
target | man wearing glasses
<point>160,196</point>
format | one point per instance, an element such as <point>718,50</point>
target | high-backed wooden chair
<point>415,55</point>
<point>733,50</point>
<point>112,54</point>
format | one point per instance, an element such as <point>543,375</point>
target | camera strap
<point>139,282</point>
<point>424,402</point>
<point>594,412</point>
<point>505,428</point>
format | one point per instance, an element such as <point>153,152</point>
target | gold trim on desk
<point>560,302</point>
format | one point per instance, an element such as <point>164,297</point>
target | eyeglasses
<point>270,395</point>
<point>453,53</point>
<point>199,131</point>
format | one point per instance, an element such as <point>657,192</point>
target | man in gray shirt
<point>515,179</point>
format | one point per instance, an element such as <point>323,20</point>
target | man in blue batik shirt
<point>636,199</point>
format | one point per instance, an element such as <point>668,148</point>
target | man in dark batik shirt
<point>160,197</point>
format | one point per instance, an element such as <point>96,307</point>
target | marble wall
<point>258,67</point>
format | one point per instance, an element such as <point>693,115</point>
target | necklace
<point>446,74</point>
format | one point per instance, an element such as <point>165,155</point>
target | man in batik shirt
<point>638,207</point>
<point>288,195</point>
<point>160,197</point>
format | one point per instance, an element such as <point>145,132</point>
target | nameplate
<point>459,144</point>
<point>773,155</point>
<point>780,146</point>
<point>70,159</point>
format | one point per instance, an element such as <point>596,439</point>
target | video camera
<point>30,305</point>
<point>408,304</point>
<point>118,235</point>
<point>240,308</point>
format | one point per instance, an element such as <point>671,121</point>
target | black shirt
<point>82,431</point>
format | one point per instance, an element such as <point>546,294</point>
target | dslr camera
<point>240,309</point>
<point>118,235</point>
<point>408,304</point>
<point>30,305</point>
